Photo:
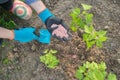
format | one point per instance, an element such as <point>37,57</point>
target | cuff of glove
<point>44,15</point>
<point>12,35</point>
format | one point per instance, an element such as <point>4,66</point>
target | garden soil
<point>24,57</point>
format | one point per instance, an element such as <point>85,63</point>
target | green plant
<point>91,37</point>
<point>94,71</point>
<point>6,21</point>
<point>80,18</point>
<point>7,24</point>
<point>49,59</point>
<point>6,60</point>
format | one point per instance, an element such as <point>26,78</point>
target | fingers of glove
<point>32,30</point>
<point>35,37</point>
<point>57,37</point>
<point>61,38</point>
<point>64,25</point>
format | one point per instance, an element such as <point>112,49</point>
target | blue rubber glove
<point>45,36</point>
<point>25,35</point>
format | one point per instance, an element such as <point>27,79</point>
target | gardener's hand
<point>25,35</point>
<point>58,28</point>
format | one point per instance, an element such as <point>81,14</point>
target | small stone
<point>82,57</point>
<point>74,56</point>
<point>15,49</point>
<point>118,61</point>
<point>106,27</point>
<point>33,47</point>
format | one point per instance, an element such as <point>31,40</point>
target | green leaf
<point>81,23</point>
<point>11,25</point>
<point>87,29</point>
<point>73,16</point>
<point>90,44</point>
<point>49,59</point>
<point>94,65</point>
<point>86,78</point>
<point>86,7</point>
<point>98,75</point>
<point>101,33</point>
<point>85,37</point>
<point>102,66</point>
<point>76,11</point>
<point>112,76</point>
<point>98,43</point>
<point>102,39</point>
<point>87,64</point>
<point>74,29</point>
<point>89,18</point>
<point>2,22</point>
<point>79,75</point>
<point>82,69</point>
<point>6,61</point>
<point>46,51</point>
<point>53,51</point>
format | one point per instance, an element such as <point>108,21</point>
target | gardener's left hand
<point>25,34</point>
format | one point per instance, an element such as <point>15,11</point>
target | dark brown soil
<point>25,63</point>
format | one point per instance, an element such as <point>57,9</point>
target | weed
<point>6,21</point>
<point>6,61</point>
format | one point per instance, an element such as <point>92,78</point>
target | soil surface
<point>24,57</point>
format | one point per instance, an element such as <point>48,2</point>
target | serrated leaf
<point>81,23</point>
<point>101,33</point>
<point>89,18</point>
<point>94,65</point>
<point>85,37</point>
<point>87,29</point>
<point>73,16</point>
<point>76,11</point>
<point>98,75</point>
<point>112,76</point>
<point>74,29</point>
<point>98,43</point>
<point>90,44</point>
<point>86,78</point>
<point>102,39</point>
<point>79,75</point>
<point>86,7</point>
<point>87,64</point>
<point>82,69</point>
<point>102,66</point>
<point>53,51</point>
<point>92,29</point>
<point>46,51</point>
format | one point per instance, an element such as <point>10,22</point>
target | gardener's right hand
<point>25,34</point>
